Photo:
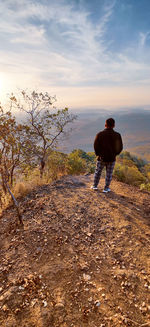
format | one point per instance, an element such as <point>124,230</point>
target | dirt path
<point>81,260</point>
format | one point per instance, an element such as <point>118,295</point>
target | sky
<point>89,53</point>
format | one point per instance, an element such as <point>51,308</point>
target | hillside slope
<point>81,260</point>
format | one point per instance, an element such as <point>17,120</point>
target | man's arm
<point>97,145</point>
<point>119,144</point>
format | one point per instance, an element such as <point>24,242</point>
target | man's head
<point>110,123</point>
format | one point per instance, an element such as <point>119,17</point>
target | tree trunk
<point>11,176</point>
<point>42,165</point>
<point>15,204</point>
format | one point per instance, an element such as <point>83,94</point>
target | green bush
<point>75,164</point>
<point>86,164</point>
<point>91,163</point>
<point>148,175</point>
<point>130,159</point>
<point>146,171</point>
<point>129,175</point>
<point>56,165</point>
<point>82,154</point>
<point>145,187</point>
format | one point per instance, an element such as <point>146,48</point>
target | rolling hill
<point>134,127</point>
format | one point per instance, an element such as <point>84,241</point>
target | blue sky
<point>87,52</point>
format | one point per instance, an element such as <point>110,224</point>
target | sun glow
<point>1,83</point>
<point>4,87</point>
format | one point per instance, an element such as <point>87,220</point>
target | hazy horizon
<point>133,126</point>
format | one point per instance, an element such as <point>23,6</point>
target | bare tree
<point>46,123</point>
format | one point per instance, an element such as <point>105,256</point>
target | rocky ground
<point>82,258</point>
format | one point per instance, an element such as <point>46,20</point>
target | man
<point>107,145</point>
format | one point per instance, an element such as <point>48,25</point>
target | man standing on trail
<point>107,145</point>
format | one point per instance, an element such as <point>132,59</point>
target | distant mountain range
<point>134,127</point>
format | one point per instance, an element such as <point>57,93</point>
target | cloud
<point>143,38</point>
<point>60,44</point>
<point>31,35</point>
<point>56,28</point>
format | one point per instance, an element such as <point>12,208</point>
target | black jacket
<point>107,145</point>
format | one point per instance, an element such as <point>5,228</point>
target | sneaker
<point>106,190</point>
<point>94,188</point>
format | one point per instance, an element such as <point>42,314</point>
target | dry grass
<point>25,186</point>
<point>20,189</point>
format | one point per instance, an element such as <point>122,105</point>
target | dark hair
<point>110,122</point>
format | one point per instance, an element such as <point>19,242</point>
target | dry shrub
<point>4,200</point>
<point>24,187</point>
<point>20,189</point>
